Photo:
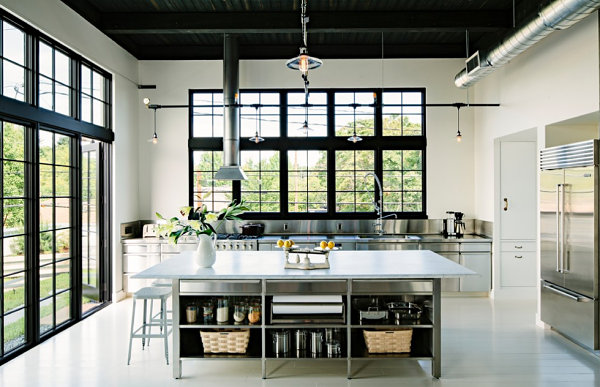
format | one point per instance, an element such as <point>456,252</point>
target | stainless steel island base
<point>426,342</point>
<point>356,280</point>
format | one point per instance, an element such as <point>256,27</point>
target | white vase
<point>206,254</point>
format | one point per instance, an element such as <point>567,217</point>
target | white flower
<point>185,211</point>
<point>195,224</point>
<point>211,217</point>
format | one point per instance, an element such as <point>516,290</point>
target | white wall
<point>552,81</point>
<point>164,167</point>
<point>57,20</point>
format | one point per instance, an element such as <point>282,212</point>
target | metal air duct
<point>558,15</point>
<point>231,169</point>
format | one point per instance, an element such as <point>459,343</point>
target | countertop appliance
<point>449,224</point>
<point>569,241</point>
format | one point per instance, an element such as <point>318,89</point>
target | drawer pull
<point>518,247</point>
<point>518,256</point>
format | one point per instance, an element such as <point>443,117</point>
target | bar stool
<point>150,293</point>
<point>156,318</point>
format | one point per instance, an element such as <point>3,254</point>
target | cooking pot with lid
<point>256,229</point>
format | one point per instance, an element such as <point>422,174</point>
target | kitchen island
<point>410,276</point>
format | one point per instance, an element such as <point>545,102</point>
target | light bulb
<point>155,138</point>
<point>458,137</point>
<point>303,64</point>
<point>146,101</point>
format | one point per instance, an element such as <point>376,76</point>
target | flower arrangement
<point>198,221</point>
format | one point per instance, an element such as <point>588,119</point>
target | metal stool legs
<point>150,294</point>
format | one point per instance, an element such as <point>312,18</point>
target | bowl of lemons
<point>287,244</point>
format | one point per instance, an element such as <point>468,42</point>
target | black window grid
<point>56,262</point>
<point>358,176</point>
<point>202,110</point>
<point>211,201</point>
<point>330,144</point>
<point>17,276</point>
<point>263,194</point>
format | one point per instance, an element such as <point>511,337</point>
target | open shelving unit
<point>425,344</point>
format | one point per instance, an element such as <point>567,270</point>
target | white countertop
<point>344,264</point>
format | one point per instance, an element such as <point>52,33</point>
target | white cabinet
<point>518,263</point>
<point>518,190</point>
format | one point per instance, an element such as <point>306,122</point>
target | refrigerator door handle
<point>564,265</point>
<point>574,297</point>
<point>558,233</point>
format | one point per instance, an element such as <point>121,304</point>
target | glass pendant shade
<point>304,62</point>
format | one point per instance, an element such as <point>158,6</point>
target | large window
<point>54,81</point>
<point>306,167</point>
<point>14,269</point>
<point>214,194</point>
<point>54,243</point>
<point>261,190</point>
<point>56,229</point>
<point>15,68</point>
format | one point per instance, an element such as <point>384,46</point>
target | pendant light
<point>458,134</point>
<point>354,138</point>
<point>154,139</point>
<point>305,129</point>
<point>256,139</point>
<point>303,61</point>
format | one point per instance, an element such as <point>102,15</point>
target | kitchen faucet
<point>378,225</point>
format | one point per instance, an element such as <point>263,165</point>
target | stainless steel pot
<point>404,311</point>
<point>316,342</point>
<point>256,229</point>
<point>281,342</point>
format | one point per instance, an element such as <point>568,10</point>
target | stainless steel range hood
<point>231,169</point>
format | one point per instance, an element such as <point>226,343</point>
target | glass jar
<point>254,313</point>
<point>208,312</point>
<point>222,310</point>
<point>191,312</point>
<point>239,313</point>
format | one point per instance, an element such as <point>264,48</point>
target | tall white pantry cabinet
<point>518,213</point>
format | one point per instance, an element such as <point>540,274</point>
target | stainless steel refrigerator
<point>569,241</point>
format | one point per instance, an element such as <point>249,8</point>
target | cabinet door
<point>518,268</point>
<point>450,284</point>
<point>481,264</point>
<point>518,217</point>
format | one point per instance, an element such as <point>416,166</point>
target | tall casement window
<point>14,274</point>
<point>306,168</point>
<point>55,136</point>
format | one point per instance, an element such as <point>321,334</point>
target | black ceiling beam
<point>337,51</point>
<point>86,10</point>
<point>288,22</point>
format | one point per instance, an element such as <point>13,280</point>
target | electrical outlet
<point>285,227</point>
<point>339,227</point>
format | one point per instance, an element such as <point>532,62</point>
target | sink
<point>390,237</point>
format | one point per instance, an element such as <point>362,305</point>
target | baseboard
<point>119,296</point>
<point>516,292</point>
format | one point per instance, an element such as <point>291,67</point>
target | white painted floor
<point>484,343</point>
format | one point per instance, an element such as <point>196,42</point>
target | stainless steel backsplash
<point>362,226</point>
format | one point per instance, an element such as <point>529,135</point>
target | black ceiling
<point>270,29</point>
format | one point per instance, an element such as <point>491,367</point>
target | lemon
<point>280,243</point>
<point>331,244</point>
<point>323,244</point>
<point>292,242</point>
<point>287,244</point>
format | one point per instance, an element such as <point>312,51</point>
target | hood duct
<point>231,169</point>
<point>558,15</point>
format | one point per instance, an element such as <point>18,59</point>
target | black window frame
<point>29,114</point>
<point>330,143</point>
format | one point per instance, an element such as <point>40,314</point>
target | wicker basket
<point>390,341</point>
<point>225,341</point>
